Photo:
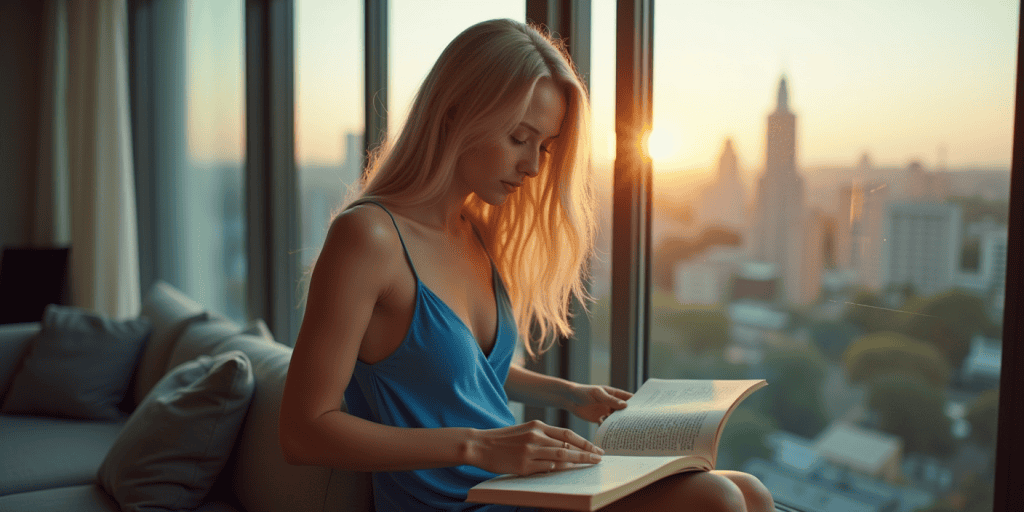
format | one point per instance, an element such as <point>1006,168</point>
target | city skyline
<point>896,81</point>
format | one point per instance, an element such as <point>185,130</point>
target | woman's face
<point>497,167</point>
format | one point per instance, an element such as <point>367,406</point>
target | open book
<point>670,426</point>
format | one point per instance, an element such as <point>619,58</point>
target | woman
<point>474,225</point>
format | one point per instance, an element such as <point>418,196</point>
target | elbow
<point>290,448</point>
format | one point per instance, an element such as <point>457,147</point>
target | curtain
<point>87,149</point>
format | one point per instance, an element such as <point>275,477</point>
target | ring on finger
<point>566,444</point>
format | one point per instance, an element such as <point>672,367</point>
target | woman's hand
<point>529,448</point>
<point>595,403</point>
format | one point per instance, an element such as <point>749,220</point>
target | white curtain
<point>87,149</point>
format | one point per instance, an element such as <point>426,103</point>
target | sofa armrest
<point>14,341</point>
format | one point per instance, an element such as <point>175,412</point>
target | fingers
<point>618,393</point>
<point>573,439</point>
<point>566,457</point>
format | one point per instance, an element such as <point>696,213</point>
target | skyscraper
<point>776,237</point>
<point>921,246</point>
<point>722,203</point>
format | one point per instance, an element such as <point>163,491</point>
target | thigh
<point>697,491</point>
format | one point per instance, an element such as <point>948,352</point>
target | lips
<point>511,187</point>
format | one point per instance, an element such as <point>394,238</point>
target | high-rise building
<point>992,267</point>
<point>813,257</point>
<point>925,185</point>
<point>723,202</point>
<point>921,246</point>
<point>778,216</point>
<point>863,207</point>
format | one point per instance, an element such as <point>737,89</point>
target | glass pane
<point>602,101</point>
<point>202,226</point>
<point>831,200</point>
<point>329,114</point>
<point>419,31</point>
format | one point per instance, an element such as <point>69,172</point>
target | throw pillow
<point>78,366</point>
<point>178,440</point>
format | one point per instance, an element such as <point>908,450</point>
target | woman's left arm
<point>592,403</point>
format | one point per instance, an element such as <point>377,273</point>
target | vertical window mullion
<point>1008,488</point>
<point>375,74</point>
<point>271,192</point>
<point>631,215</point>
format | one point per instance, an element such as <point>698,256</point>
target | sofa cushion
<point>260,477</point>
<point>175,444</point>
<point>14,342</point>
<point>79,498</point>
<point>79,365</point>
<point>170,311</point>
<point>42,453</point>
<point>200,337</point>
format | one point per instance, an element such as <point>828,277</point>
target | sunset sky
<point>898,80</point>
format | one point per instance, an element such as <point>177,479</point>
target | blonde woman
<point>472,226</point>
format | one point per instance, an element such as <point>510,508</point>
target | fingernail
<point>595,457</point>
<point>598,449</point>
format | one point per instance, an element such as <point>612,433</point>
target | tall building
<point>925,185</point>
<point>921,246</point>
<point>862,212</point>
<point>723,202</point>
<point>993,248</point>
<point>815,235</point>
<point>778,216</point>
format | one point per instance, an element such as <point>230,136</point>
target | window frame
<point>272,195</point>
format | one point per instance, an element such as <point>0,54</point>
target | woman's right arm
<point>347,282</point>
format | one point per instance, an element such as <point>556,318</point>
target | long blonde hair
<point>541,237</point>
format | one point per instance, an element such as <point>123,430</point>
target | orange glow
<point>661,145</point>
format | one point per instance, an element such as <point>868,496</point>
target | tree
<point>697,329</point>
<point>949,320</point>
<point>793,398</point>
<point>832,337</point>
<point>744,437</point>
<point>883,353</point>
<point>869,313</point>
<point>914,411</point>
<point>982,415</point>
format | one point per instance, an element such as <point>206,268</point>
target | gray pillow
<point>78,366</point>
<point>178,440</point>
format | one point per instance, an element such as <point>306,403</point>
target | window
<point>829,178</point>
<point>419,31</point>
<point>602,101</point>
<point>189,95</point>
<point>328,114</point>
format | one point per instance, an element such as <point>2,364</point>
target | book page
<point>584,479</point>
<point>673,417</point>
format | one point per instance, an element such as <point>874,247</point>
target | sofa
<point>51,463</point>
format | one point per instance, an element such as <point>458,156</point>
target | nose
<point>531,164</point>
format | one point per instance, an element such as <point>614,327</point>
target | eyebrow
<point>535,130</point>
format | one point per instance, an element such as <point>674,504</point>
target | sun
<point>662,145</point>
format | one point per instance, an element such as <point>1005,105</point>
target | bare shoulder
<point>359,238</point>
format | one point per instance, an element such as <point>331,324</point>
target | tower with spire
<point>778,220</point>
<point>723,203</point>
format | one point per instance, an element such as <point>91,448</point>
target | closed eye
<point>518,142</point>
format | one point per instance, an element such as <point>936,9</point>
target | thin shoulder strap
<point>400,239</point>
<point>482,244</point>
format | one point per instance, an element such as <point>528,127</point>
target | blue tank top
<point>438,376</point>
